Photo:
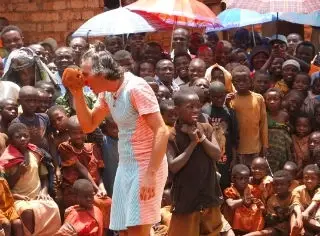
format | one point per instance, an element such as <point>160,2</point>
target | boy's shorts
<point>207,222</point>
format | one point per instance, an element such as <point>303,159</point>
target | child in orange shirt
<point>251,114</point>
<point>260,180</point>
<point>84,218</point>
<point>300,141</point>
<point>242,208</point>
<point>306,200</point>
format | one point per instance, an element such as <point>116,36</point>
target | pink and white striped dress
<point>135,99</point>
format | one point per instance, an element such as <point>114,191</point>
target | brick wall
<point>40,19</point>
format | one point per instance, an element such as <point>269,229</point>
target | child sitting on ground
<point>300,141</point>
<point>278,207</point>
<point>306,199</point>
<point>292,169</point>
<point>252,117</point>
<point>242,208</point>
<point>84,218</point>
<point>9,218</point>
<point>260,180</point>
<point>82,159</point>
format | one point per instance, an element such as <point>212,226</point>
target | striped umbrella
<point>264,6</point>
<point>177,12</point>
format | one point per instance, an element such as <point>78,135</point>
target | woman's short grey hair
<point>103,64</point>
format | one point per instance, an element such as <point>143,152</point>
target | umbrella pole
<point>254,39</point>
<point>171,38</point>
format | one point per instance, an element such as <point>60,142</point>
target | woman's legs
<point>27,218</point>
<point>17,227</point>
<point>140,230</point>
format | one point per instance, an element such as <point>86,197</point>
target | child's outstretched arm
<point>234,203</point>
<point>85,173</point>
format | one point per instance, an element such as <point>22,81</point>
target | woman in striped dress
<point>143,136</point>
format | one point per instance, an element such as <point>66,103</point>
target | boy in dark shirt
<point>192,152</point>
<point>225,125</point>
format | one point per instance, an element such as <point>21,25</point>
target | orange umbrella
<point>178,12</point>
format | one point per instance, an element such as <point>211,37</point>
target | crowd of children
<point>243,151</point>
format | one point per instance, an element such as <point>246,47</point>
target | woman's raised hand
<point>73,79</point>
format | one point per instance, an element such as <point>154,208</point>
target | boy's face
<point>27,76</point>
<point>182,65</point>
<point>217,75</point>
<point>206,55</point>
<point>316,86</point>
<point>59,120</point>
<point>276,66</point>
<point>180,40</point>
<point>146,69</point>
<point>273,101</point>
<point>203,84</point>
<point>303,127</point>
<point>188,112</point>
<point>112,129</point>
<point>136,41</point>
<point>43,102</point>
<point>127,64</point>
<point>170,116</point>
<point>305,53</point>
<point>301,83</point>
<point>29,103</point>
<point>9,111</point>
<point>281,186</point>
<point>52,67</point>
<point>77,136</point>
<point>310,180</point>
<point>241,180</point>
<point>218,98</point>
<point>259,60</point>
<point>294,103</point>
<point>79,46</point>
<point>50,90</point>
<point>223,53</point>
<point>314,141</point>
<point>154,86</point>
<point>293,40</point>
<point>261,83</point>
<point>163,93</point>
<point>242,82</point>
<point>243,59</point>
<point>85,198</point>
<point>259,170</point>
<point>12,40</point>
<point>20,139</point>
<point>292,170</point>
<point>196,71</point>
<point>288,73</point>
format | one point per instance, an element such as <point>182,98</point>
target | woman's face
<point>98,83</point>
